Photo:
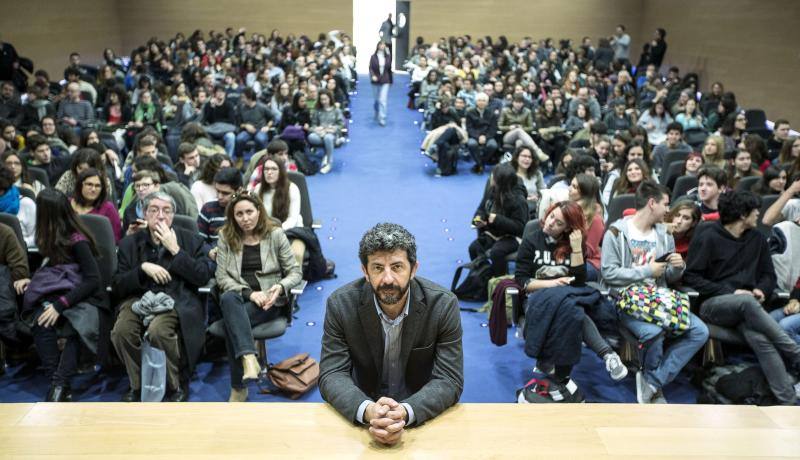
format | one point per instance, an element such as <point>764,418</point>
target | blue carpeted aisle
<point>379,176</point>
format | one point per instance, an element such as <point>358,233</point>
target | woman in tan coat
<point>256,270</point>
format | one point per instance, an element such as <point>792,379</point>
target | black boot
<point>59,393</point>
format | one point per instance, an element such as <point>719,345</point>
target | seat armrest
<point>299,289</point>
<point>208,287</point>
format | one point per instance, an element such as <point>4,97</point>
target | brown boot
<point>250,368</point>
<point>238,395</point>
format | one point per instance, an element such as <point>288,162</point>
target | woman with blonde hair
<point>714,151</point>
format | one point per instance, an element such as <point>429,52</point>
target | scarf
<point>9,201</point>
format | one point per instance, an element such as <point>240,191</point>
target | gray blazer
<point>352,349</point>
<point>278,265</point>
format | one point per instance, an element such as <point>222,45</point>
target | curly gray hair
<point>387,237</point>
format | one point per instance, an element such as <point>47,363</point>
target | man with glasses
<point>145,182</point>
<point>159,272</point>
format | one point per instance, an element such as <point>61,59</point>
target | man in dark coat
<point>161,260</point>
<point>391,345</point>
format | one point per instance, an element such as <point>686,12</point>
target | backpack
<point>305,164</point>
<point>448,160</point>
<point>475,284</point>
<point>742,383</point>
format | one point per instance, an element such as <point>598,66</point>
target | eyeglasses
<point>143,185</point>
<point>157,211</point>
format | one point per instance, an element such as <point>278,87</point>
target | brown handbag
<point>294,376</point>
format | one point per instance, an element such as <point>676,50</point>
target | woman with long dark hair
<point>256,270</point>
<point>65,298</point>
<point>281,198</point>
<point>22,177</point>
<point>91,196</point>
<point>203,188</point>
<point>773,182</point>
<point>681,221</point>
<point>554,256</point>
<point>585,191</point>
<point>380,75</point>
<point>500,219</point>
<point>634,172</point>
<point>14,203</point>
<point>296,123</point>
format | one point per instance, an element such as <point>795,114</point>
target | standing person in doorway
<point>387,32</point>
<point>380,74</point>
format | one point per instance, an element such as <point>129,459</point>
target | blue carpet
<point>379,176</point>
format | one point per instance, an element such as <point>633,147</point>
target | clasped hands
<point>266,299</point>
<point>386,419</point>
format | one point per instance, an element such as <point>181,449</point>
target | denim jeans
<point>328,141</point>
<point>261,138</point>
<point>482,154</point>
<point>790,324</point>
<point>381,95</point>
<point>763,334</point>
<point>240,317</point>
<point>662,365</point>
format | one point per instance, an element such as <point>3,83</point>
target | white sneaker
<point>644,391</point>
<point>616,369</point>
<point>326,168</point>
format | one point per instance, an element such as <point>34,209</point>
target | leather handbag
<point>294,376</point>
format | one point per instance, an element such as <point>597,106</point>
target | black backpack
<point>305,164</point>
<point>448,160</point>
<point>477,281</point>
<point>741,383</point>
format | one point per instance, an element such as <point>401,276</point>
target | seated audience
<point>188,168</point>
<point>481,128</point>
<point>22,177</point>
<point>145,182</point>
<point>500,220</point>
<point>254,119</point>
<point>12,202</point>
<point>741,167</point>
<point>65,298</point>
<point>773,182</point>
<point>159,267</point>
<point>327,123</point>
<point>281,199</point>
<point>711,182</point>
<point>227,182</point>
<point>91,196</point>
<point>553,257</point>
<point>632,248</point>
<point>256,271</point>
<point>730,266</point>
<point>691,167</point>
<point>674,142</point>
<point>42,157</point>
<point>529,172</point>
<point>585,190</point>
<point>203,188</point>
<point>655,120</point>
<point>681,221</point>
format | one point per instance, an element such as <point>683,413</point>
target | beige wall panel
<point>749,45</point>
<point>143,19</point>
<point>47,31</point>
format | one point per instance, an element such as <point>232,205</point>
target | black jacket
<point>384,75</point>
<point>190,269</point>
<point>719,264</point>
<point>481,124</point>
<point>510,217</point>
<point>536,251</point>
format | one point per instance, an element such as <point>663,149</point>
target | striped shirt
<point>210,220</point>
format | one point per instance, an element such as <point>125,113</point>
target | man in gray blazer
<point>391,346</point>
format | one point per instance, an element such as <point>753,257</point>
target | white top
<point>294,219</point>
<point>643,246</point>
<point>27,220</point>
<point>203,193</point>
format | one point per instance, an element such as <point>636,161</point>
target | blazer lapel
<point>412,323</point>
<point>373,331</point>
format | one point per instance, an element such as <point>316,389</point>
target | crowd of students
<point>652,186</point>
<point>210,131</point>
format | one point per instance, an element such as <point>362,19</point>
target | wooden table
<point>310,430</point>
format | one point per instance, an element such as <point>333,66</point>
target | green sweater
<point>509,117</point>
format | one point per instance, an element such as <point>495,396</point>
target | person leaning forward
<point>159,259</point>
<point>391,345</point>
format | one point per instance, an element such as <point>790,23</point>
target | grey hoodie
<point>615,263</point>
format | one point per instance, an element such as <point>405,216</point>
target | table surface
<point>312,430</point>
